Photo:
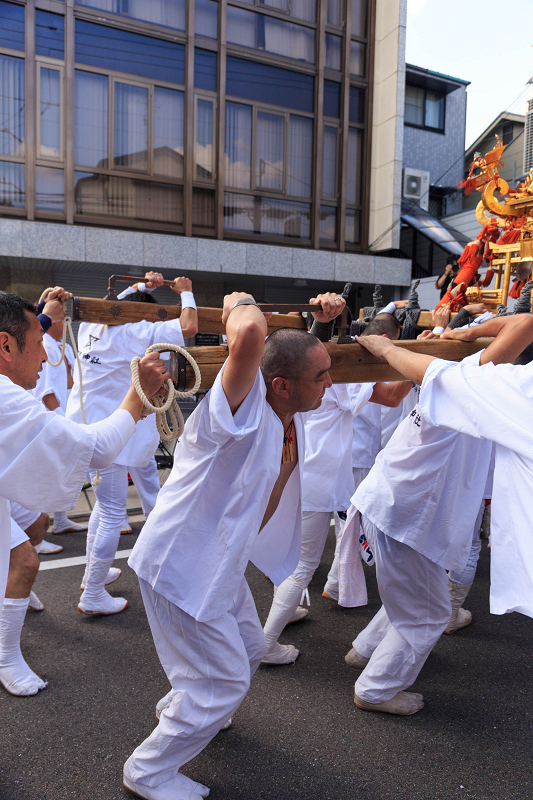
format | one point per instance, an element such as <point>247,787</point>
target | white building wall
<point>387,124</point>
<point>465,222</point>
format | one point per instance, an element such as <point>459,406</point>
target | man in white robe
<point>226,502</point>
<point>106,352</point>
<point>44,458</point>
<point>421,499</point>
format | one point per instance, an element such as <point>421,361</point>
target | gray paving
<point>297,734</point>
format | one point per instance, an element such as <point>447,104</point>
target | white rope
<point>168,405</point>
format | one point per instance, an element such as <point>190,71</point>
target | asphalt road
<point>298,735</point>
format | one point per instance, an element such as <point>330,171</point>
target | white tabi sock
<point>61,520</point>
<point>15,674</point>
<point>285,603</point>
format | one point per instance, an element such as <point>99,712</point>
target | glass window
<point>49,189</point>
<point>205,70</point>
<point>131,127</point>
<point>238,145</point>
<point>167,13</point>
<point>359,17</point>
<point>11,106</point>
<point>270,34</point>
<point>329,168</point>
<point>49,34</point>
<point>204,140</point>
<point>206,18</point>
<point>299,9</point>
<point>434,110</point>
<point>270,151</point>
<point>333,13</point>
<point>353,226</point>
<point>357,58</point>
<point>414,105</point>
<point>353,186</point>
<point>11,26</point>
<point>328,223</point>
<point>266,84</point>
<point>12,192</point>
<point>50,116</point>
<point>91,119</point>
<point>100,46</point>
<point>332,99</point>
<point>203,208</point>
<point>112,196</point>
<point>356,111</point>
<point>333,51</point>
<point>267,215</point>
<point>168,132</point>
<point>300,156</point>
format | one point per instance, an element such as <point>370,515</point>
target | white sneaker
<point>179,787</point>
<point>300,613</point>
<point>46,548</point>
<point>281,654</point>
<point>112,576</point>
<point>404,704</point>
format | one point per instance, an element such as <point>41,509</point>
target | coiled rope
<point>169,404</point>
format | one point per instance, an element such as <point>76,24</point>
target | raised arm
<point>412,365</point>
<point>513,334</point>
<point>246,330</point>
<point>189,314</point>
<point>390,394</point>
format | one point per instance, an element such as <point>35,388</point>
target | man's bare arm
<point>412,365</point>
<point>246,330</point>
<point>391,394</point>
<point>50,401</point>
<point>513,334</point>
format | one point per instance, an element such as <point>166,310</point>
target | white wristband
<point>187,300</point>
<point>389,309</point>
<point>125,293</point>
<point>143,288</point>
<point>438,330</point>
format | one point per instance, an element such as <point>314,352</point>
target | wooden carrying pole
<point>116,312</point>
<point>350,363</point>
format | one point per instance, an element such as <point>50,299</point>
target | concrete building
<point>252,144</point>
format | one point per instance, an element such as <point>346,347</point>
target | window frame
<point>203,94</point>
<point>425,127</point>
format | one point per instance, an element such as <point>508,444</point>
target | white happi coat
<point>391,417</point>
<point>43,459</point>
<point>366,443</point>
<point>426,487</point>
<point>54,380</point>
<point>495,402</point>
<point>105,354</point>
<point>196,544</point>
<point>328,481</point>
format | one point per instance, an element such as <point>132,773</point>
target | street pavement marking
<point>77,560</point>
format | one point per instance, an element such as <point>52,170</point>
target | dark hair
<point>13,318</point>
<point>451,260</point>
<point>285,356</point>
<point>140,297</point>
<point>383,323</point>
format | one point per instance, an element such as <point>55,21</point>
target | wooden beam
<point>424,319</point>
<point>350,363</point>
<point>116,312</point>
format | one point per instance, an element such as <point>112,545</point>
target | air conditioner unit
<point>416,187</point>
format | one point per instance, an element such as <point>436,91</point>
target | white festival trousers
<point>109,510</point>
<point>466,577</point>
<point>315,528</point>
<point>332,582</point>
<point>416,609</point>
<point>209,665</point>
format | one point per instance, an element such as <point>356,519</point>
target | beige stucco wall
<point>387,124</point>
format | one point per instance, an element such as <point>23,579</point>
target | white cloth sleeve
<point>389,309</point>
<point>111,436</point>
<point>127,291</point>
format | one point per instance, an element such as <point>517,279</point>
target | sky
<point>486,42</point>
